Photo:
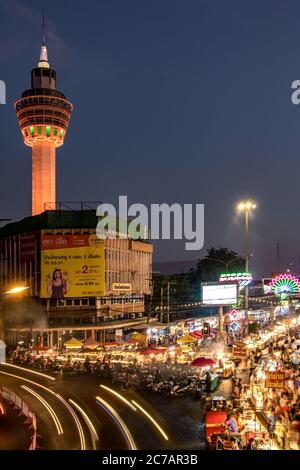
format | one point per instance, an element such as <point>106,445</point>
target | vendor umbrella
<point>196,334</point>
<point>187,339</point>
<point>73,343</point>
<point>203,362</point>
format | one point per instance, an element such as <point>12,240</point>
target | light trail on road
<point>75,417</point>
<point>88,422</point>
<point>118,395</point>
<point>118,420</point>
<point>151,419</point>
<point>69,408</point>
<point>28,370</point>
<point>48,407</point>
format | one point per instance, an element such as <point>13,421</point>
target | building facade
<point>127,274</point>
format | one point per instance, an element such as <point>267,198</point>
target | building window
<point>40,130</point>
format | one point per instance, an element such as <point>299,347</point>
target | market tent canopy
<point>196,334</point>
<point>108,345</point>
<point>187,339</point>
<point>91,343</point>
<point>73,343</point>
<point>203,362</point>
<point>131,341</point>
<point>239,344</point>
<point>140,338</point>
<point>149,351</point>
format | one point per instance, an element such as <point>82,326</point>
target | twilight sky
<point>175,101</point>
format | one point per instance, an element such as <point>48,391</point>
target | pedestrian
<point>207,382</point>
<point>250,445</point>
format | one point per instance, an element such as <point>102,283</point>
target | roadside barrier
<point>24,410</point>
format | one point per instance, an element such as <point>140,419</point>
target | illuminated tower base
<point>43,176</point>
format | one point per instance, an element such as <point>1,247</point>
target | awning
<point>73,343</point>
<point>187,339</point>
<point>149,351</point>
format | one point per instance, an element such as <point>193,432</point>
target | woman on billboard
<point>58,285</point>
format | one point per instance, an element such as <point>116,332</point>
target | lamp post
<point>12,291</point>
<point>226,263</point>
<point>220,308</point>
<point>246,206</point>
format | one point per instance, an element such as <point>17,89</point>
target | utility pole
<point>161,303</point>
<point>168,302</point>
<point>246,262</point>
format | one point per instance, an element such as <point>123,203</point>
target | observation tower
<point>43,113</point>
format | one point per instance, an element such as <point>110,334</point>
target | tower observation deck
<point>43,113</point>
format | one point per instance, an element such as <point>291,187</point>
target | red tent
<point>196,334</point>
<point>148,351</point>
<point>215,422</point>
<point>203,362</point>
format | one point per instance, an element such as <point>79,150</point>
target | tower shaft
<point>43,176</point>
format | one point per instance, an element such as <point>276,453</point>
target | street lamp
<point>246,206</point>
<point>12,291</point>
<point>16,290</point>
<point>226,263</point>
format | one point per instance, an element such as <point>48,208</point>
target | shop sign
<point>275,379</point>
<point>238,352</point>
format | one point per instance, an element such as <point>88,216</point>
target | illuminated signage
<point>275,379</point>
<point>121,286</point>
<point>284,284</point>
<point>244,279</point>
<point>219,293</point>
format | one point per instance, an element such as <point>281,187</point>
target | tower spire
<point>43,54</point>
<point>43,30</point>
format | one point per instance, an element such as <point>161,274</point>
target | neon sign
<point>285,284</point>
<point>244,279</point>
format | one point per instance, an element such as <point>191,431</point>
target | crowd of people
<point>152,376</point>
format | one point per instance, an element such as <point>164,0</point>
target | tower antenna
<point>43,54</point>
<point>43,29</point>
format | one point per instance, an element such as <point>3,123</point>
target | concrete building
<point>128,270</point>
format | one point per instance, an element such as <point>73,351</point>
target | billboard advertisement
<point>72,266</point>
<point>219,293</point>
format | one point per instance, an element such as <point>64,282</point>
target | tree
<point>217,261</point>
